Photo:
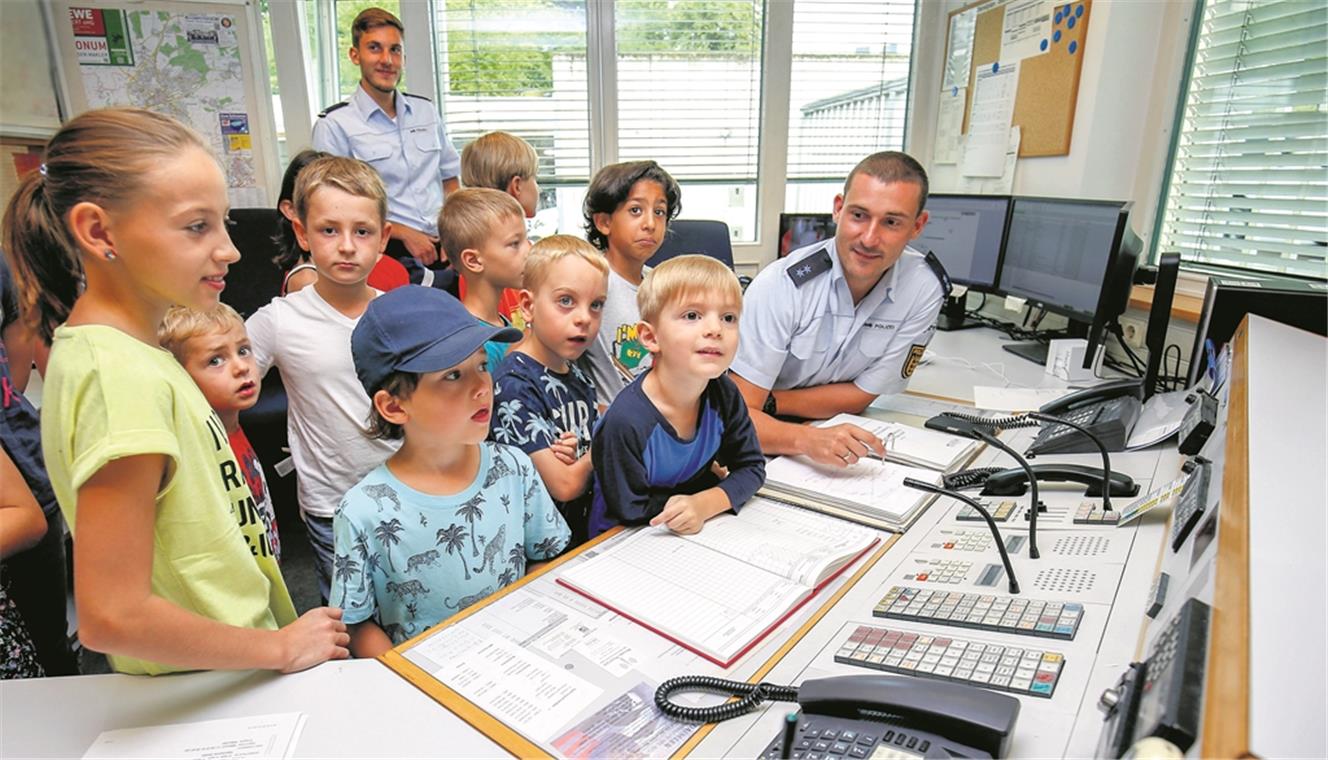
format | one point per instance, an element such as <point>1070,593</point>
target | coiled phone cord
<point>751,695</point>
<point>1008,423</point>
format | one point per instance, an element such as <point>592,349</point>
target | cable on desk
<point>751,695</point>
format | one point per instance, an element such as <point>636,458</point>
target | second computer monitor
<point>967,233</point>
<point>1057,252</point>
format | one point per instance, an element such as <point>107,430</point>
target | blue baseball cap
<point>417,329</point>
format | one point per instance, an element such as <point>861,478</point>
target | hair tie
<point>42,169</point>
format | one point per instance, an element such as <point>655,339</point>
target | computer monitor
<point>1228,298</point>
<point>967,234</point>
<point>1058,253</point>
<point>799,230</point>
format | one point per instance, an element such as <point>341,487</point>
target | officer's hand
<point>423,247</point>
<point>840,445</point>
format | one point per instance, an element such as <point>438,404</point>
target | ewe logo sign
<point>101,37</point>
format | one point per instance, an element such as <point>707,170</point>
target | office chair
<point>251,283</point>
<point>704,236</point>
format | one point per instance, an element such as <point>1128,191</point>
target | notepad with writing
<point>722,590</point>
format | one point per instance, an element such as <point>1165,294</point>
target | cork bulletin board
<point>1048,79</point>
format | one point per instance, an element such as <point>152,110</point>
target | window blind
<point>848,85</point>
<point>1248,185</point>
<point>518,66</point>
<point>689,86</point>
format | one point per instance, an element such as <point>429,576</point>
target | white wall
<point>1134,57</point>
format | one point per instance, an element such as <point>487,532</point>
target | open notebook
<point>720,591</point>
<point>914,446</point>
<point>871,491</point>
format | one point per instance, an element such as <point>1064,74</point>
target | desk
<point>363,709</point>
<point>958,360</point>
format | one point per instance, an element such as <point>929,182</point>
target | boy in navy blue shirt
<point>657,446</point>
<point>545,404</point>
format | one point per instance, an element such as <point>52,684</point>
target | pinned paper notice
<point>1026,29</point>
<point>949,124</point>
<point>989,123</point>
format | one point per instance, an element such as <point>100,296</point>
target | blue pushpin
<point>1079,10</point>
<point>954,92</point>
<point>1059,16</point>
<point>1069,22</point>
<point>1043,46</point>
<point>995,67</point>
<point>1056,36</point>
<point>1073,46</point>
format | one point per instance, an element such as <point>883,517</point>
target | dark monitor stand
<point>1036,351</point>
<point>953,316</point>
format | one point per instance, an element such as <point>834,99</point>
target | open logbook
<point>870,491</point>
<point>720,591</point>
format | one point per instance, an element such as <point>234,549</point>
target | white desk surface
<point>362,709</point>
<point>958,360</point>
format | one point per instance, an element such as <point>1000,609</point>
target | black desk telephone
<point>1163,695</point>
<point>1109,411</point>
<point>862,716</point>
<point>1013,482</point>
<point>857,716</point>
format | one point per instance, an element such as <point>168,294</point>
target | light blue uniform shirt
<point>412,153</point>
<point>801,329</point>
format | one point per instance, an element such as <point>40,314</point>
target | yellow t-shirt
<point>107,396</point>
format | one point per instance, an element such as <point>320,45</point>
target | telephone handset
<point>1163,695</point>
<point>907,716</point>
<point>1014,482</point>
<point>1109,411</point>
<point>1104,392</point>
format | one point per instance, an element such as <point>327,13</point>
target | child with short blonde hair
<point>545,403</point>
<point>213,348</point>
<point>502,161</point>
<point>341,220</point>
<point>483,234</point>
<point>656,444</point>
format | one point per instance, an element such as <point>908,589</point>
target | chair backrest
<point>254,280</point>
<point>705,236</point>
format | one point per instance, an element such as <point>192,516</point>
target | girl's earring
<point>110,255</point>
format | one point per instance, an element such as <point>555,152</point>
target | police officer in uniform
<point>835,324</point>
<point>403,138</point>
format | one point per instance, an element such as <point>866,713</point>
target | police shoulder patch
<point>421,97</point>
<point>809,268</point>
<point>332,108</point>
<point>913,359</point>
<point>938,269</point>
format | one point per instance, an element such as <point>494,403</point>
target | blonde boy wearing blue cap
<point>450,518</point>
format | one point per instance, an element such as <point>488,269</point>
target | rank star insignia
<point>804,270</point>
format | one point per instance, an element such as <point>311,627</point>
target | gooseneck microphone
<point>1106,460</point>
<point>1035,505</point>
<point>977,505</point>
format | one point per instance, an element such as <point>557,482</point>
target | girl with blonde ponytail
<point>126,218</point>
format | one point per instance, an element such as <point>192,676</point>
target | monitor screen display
<point>966,232</point>
<point>1057,252</point>
<point>799,230</point>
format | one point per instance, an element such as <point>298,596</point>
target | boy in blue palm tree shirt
<point>449,519</point>
<point>545,403</point>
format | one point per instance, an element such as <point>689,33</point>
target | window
<point>520,66</point>
<point>689,97</point>
<point>1248,185</point>
<point>848,92</point>
<point>348,74</point>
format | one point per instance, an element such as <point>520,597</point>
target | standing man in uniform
<point>400,135</point>
<point>838,323</point>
